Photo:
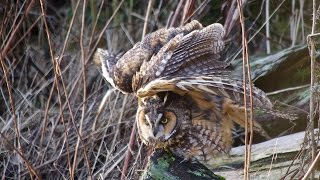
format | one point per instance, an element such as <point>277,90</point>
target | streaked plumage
<point>187,101</point>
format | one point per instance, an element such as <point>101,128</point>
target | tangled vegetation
<point>59,119</point>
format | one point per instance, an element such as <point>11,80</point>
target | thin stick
<point>28,164</point>
<point>95,23</point>
<point>312,83</point>
<point>102,32</point>
<point>56,69</point>
<point>246,64</point>
<point>185,11</point>
<point>268,26</point>
<point>84,99</point>
<point>128,153</point>
<point>59,60</point>
<point>302,19</point>
<point>68,32</point>
<point>133,131</point>
<point>292,23</point>
<point>312,166</point>
<point>199,10</point>
<point>254,35</point>
<point>176,13</point>
<point>147,19</point>
<point>287,89</point>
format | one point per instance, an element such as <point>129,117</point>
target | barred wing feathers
<point>108,61</point>
<point>194,54</point>
<point>198,52</point>
<point>209,85</point>
<point>206,89</point>
<point>130,63</point>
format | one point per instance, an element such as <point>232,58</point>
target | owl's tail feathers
<point>237,114</point>
<point>275,113</point>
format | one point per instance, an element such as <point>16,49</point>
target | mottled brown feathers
<point>130,63</point>
<point>187,101</point>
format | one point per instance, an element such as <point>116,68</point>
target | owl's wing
<point>220,93</point>
<point>194,54</point>
<point>208,89</point>
<point>198,53</point>
<point>107,60</point>
<point>120,71</point>
<point>206,86</point>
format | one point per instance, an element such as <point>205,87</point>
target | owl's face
<point>159,118</point>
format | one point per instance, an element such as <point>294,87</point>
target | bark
<point>273,159</point>
<point>164,165</point>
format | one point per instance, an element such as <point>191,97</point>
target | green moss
<point>203,173</point>
<point>164,162</point>
<point>160,170</point>
<point>165,165</point>
<point>302,75</point>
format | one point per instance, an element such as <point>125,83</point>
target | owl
<point>187,102</point>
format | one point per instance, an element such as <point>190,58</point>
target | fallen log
<point>164,165</point>
<point>285,60</point>
<point>273,159</point>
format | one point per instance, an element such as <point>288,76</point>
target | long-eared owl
<point>187,101</point>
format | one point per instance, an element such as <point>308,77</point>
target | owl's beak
<point>157,133</point>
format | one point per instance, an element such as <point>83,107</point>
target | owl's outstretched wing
<point>194,54</point>
<point>206,90</point>
<point>213,94</point>
<point>121,71</point>
<point>108,61</point>
<point>205,86</point>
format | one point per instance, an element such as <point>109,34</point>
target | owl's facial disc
<point>157,118</point>
<point>157,125</point>
<point>162,125</point>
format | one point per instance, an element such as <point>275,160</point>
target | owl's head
<point>159,117</point>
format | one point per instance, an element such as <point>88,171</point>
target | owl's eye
<point>164,121</point>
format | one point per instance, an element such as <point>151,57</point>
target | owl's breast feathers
<point>207,136</point>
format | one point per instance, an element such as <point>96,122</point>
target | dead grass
<point>59,119</point>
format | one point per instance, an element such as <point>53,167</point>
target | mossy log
<point>273,159</point>
<point>285,60</point>
<point>164,165</point>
